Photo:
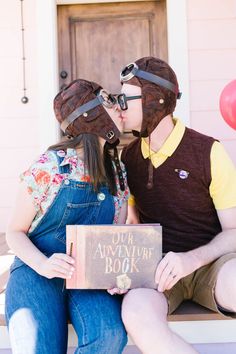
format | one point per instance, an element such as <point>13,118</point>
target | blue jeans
<point>38,309</point>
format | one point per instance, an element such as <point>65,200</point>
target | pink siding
<point>211,9</point>
<point>212,58</point>
<point>19,142</point>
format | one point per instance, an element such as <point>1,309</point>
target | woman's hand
<point>59,265</point>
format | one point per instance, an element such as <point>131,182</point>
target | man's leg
<point>225,290</point>
<point>144,313</point>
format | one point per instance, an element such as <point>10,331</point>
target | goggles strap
<point>157,80</point>
<point>130,98</point>
<point>77,112</point>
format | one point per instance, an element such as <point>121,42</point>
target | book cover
<point>109,256</point>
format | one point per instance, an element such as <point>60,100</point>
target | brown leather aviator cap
<point>159,90</point>
<point>79,109</point>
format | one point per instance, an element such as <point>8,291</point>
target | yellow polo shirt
<point>223,184</point>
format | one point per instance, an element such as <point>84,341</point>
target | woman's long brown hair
<point>98,162</point>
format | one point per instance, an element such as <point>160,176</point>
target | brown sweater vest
<point>183,206</point>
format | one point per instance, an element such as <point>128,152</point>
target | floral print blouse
<point>43,181</point>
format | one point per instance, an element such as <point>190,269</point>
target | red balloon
<point>228,104</point>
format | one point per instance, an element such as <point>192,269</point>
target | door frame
<point>47,63</point>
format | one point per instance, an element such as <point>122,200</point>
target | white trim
<point>216,331</point>
<point>67,2</point>
<point>48,61</point>
<point>178,53</point>
<point>212,331</point>
<point>47,71</point>
<point>194,332</point>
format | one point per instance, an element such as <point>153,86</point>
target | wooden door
<point>96,40</point>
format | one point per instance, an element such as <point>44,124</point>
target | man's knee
<point>139,305</point>
<point>225,290</point>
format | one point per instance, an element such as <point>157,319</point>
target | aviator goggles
<point>132,70</point>
<point>103,98</point>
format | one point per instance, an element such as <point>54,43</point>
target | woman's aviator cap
<point>103,98</point>
<point>132,70</point>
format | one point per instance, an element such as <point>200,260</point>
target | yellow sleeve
<point>131,200</point>
<point>223,172</point>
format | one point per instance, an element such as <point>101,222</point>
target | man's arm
<point>175,266</point>
<point>224,242</point>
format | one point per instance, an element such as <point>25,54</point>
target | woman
<point>74,182</point>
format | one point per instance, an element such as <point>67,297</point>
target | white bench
<point>192,322</point>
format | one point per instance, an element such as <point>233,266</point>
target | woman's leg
<point>36,313</point>
<point>96,317</point>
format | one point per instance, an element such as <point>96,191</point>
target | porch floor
<point>225,348</point>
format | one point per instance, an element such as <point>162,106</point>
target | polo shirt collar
<point>170,145</point>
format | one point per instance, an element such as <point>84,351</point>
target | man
<point>185,181</point>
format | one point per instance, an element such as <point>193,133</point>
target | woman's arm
<point>133,217</point>
<point>123,213</point>
<point>58,265</point>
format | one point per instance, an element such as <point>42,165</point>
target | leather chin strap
<point>119,170</point>
<point>137,134</point>
<point>117,163</point>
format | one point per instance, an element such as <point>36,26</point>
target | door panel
<point>96,40</point>
<point>102,63</point>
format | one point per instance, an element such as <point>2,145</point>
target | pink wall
<point>19,142</point>
<point>212,64</point>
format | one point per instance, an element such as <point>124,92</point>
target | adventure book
<point>110,256</point>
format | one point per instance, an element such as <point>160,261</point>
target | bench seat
<point>188,311</point>
<point>193,322</point>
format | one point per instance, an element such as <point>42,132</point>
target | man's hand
<point>117,291</point>
<point>173,267</point>
<point>59,265</point>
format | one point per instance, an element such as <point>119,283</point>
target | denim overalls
<point>37,308</point>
